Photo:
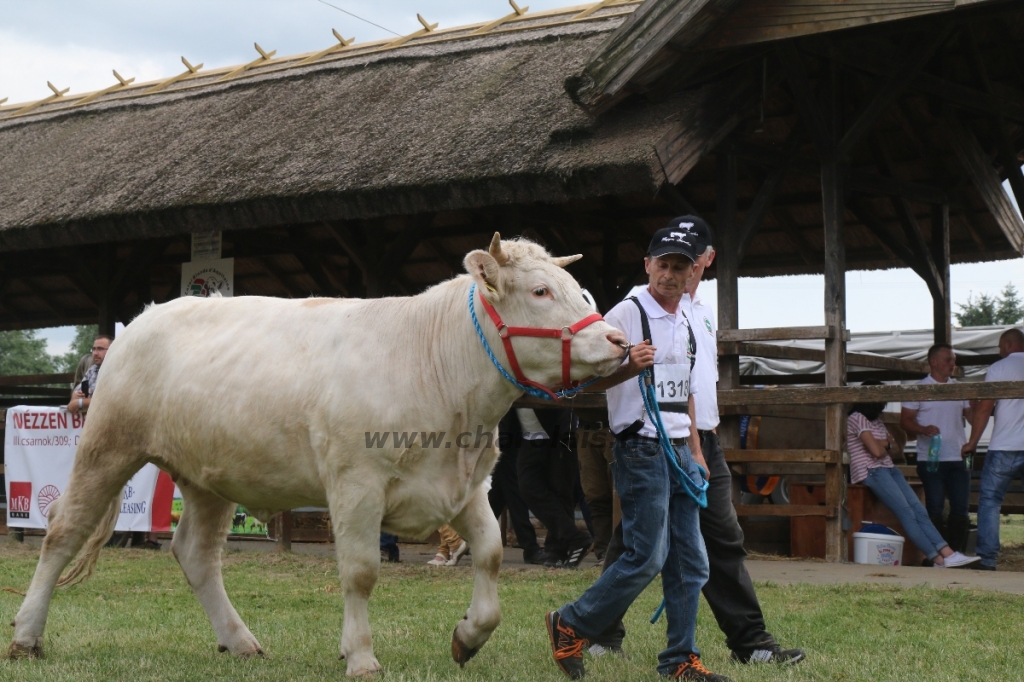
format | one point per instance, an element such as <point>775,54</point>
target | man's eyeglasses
<point>96,348</point>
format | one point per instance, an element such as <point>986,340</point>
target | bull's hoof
<point>221,648</point>
<point>460,651</point>
<point>16,651</point>
<point>255,653</point>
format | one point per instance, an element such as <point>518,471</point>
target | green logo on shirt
<point>707,323</point>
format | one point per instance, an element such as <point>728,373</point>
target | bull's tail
<point>90,552</point>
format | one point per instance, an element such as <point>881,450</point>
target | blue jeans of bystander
<point>1001,467</point>
<point>889,486</point>
<point>661,532</point>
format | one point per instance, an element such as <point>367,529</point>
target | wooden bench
<point>807,534</point>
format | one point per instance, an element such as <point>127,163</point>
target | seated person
<point>869,445</point>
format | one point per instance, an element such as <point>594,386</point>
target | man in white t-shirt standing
<point>1004,460</point>
<point>660,515</point>
<point>950,478</point>
<point>729,590</point>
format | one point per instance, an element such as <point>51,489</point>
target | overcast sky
<point>76,44</point>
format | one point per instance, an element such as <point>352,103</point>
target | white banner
<point>39,451</point>
<point>205,277</point>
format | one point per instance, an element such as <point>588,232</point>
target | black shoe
<point>575,555</point>
<point>566,646</point>
<point>693,669</point>
<point>773,654</point>
<point>390,555</point>
<point>538,557</point>
<point>553,561</point>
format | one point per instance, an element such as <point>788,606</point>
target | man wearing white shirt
<point>729,590</point>
<point>660,519</point>
<point>1004,460</point>
<point>950,478</point>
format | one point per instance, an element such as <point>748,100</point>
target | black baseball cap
<point>681,236</point>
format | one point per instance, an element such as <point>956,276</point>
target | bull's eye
<point>540,292</point>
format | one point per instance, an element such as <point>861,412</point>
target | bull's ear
<point>562,261</point>
<point>485,271</point>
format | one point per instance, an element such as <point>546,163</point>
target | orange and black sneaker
<point>693,669</point>
<point>566,645</point>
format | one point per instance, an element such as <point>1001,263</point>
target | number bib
<point>672,386</point>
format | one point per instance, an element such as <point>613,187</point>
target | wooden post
<point>285,538</point>
<point>727,263</point>
<point>107,304</point>
<point>942,306</point>
<point>835,316</point>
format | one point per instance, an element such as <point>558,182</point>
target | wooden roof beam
<point>795,236</point>
<point>806,101</point>
<point>885,238</point>
<point>979,169</point>
<point>1005,150</point>
<point>907,66</point>
<point>758,209</point>
<point>929,270</point>
<point>283,278</point>
<point>961,96</point>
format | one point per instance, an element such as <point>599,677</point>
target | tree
<point>1010,309</point>
<point>85,334</point>
<point>21,352</point>
<point>1006,308</point>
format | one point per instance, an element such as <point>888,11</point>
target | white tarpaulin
<point>39,451</point>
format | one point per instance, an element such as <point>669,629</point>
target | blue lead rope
<point>699,493</point>
<point>535,392</point>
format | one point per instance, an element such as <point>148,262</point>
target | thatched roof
<point>445,125</point>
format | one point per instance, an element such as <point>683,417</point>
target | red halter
<point>565,334</point>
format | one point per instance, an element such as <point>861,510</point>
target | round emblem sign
<point>47,496</point>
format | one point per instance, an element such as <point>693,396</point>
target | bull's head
<point>530,288</point>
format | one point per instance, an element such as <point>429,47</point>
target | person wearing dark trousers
<point>505,494</point>
<point>547,468</point>
<point>729,590</point>
<point>948,477</point>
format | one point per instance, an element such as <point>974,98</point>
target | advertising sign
<point>39,452</point>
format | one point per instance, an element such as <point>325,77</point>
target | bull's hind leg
<point>356,512</point>
<point>87,511</point>
<point>198,541</point>
<point>476,523</point>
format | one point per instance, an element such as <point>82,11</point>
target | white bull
<point>268,402</point>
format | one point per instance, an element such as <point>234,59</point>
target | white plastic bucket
<point>875,548</point>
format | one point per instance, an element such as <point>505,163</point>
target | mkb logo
<point>20,500</point>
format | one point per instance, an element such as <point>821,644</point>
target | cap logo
<point>677,237</point>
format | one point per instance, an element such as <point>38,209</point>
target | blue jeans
<point>892,489</point>
<point>1001,467</point>
<point>661,532</point>
<point>952,480</point>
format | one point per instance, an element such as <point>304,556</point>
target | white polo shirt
<point>1008,432</point>
<point>705,373</point>
<point>948,415</point>
<point>671,340</point>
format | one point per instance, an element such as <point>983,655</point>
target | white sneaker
<point>956,559</point>
<point>438,560</point>
<point>457,554</point>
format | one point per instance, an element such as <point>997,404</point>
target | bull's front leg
<point>356,513</point>
<point>477,524</point>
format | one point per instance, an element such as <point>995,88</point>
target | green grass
<point>136,619</point>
